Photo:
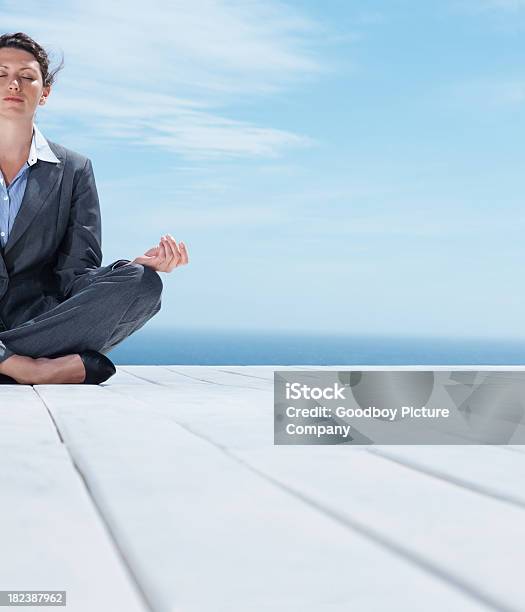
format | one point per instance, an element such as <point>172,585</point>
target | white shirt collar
<point>40,149</point>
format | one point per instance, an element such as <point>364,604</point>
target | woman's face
<point>21,86</point>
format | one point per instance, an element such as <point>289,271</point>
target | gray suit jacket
<point>55,244</point>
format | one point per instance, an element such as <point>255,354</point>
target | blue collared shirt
<point>11,196</point>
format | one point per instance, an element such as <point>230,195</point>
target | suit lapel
<point>4,277</point>
<point>3,269</point>
<point>41,180</point>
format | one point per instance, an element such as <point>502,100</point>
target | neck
<point>15,138</point>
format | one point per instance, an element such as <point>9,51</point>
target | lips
<point>13,99</point>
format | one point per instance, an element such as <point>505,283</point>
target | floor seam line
<point>98,511</point>
<point>369,534</point>
<point>448,479</point>
<point>203,380</point>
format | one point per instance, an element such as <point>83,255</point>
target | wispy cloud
<point>170,123</point>
<point>211,201</point>
<point>170,76</point>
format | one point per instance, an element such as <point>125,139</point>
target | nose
<point>14,85</point>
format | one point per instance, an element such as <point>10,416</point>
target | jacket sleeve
<point>79,255</point>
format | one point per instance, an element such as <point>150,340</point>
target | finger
<point>168,257</point>
<point>153,251</point>
<point>172,253</point>
<point>180,258</point>
<point>176,253</point>
<point>170,262</point>
<point>183,253</point>
<point>161,255</point>
<point>180,250</point>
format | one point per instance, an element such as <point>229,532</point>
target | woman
<point>59,309</point>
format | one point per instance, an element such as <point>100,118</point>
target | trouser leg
<point>98,317</point>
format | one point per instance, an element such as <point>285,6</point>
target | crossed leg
<point>115,304</point>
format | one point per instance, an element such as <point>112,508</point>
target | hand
<point>166,256</point>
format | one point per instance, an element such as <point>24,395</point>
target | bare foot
<point>44,371</point>
<point>22,369</point>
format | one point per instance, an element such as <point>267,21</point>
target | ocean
<point>156,346</point>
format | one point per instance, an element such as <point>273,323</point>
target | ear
<point>45,93</point>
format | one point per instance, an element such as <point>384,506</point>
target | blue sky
<point>333,167</point>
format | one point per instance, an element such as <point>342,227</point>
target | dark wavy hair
<point>19,40</point>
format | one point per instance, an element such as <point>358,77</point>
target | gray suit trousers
<point>115,304</point>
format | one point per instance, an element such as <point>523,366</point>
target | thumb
<point>142,259</point>
<point>153,252</point>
